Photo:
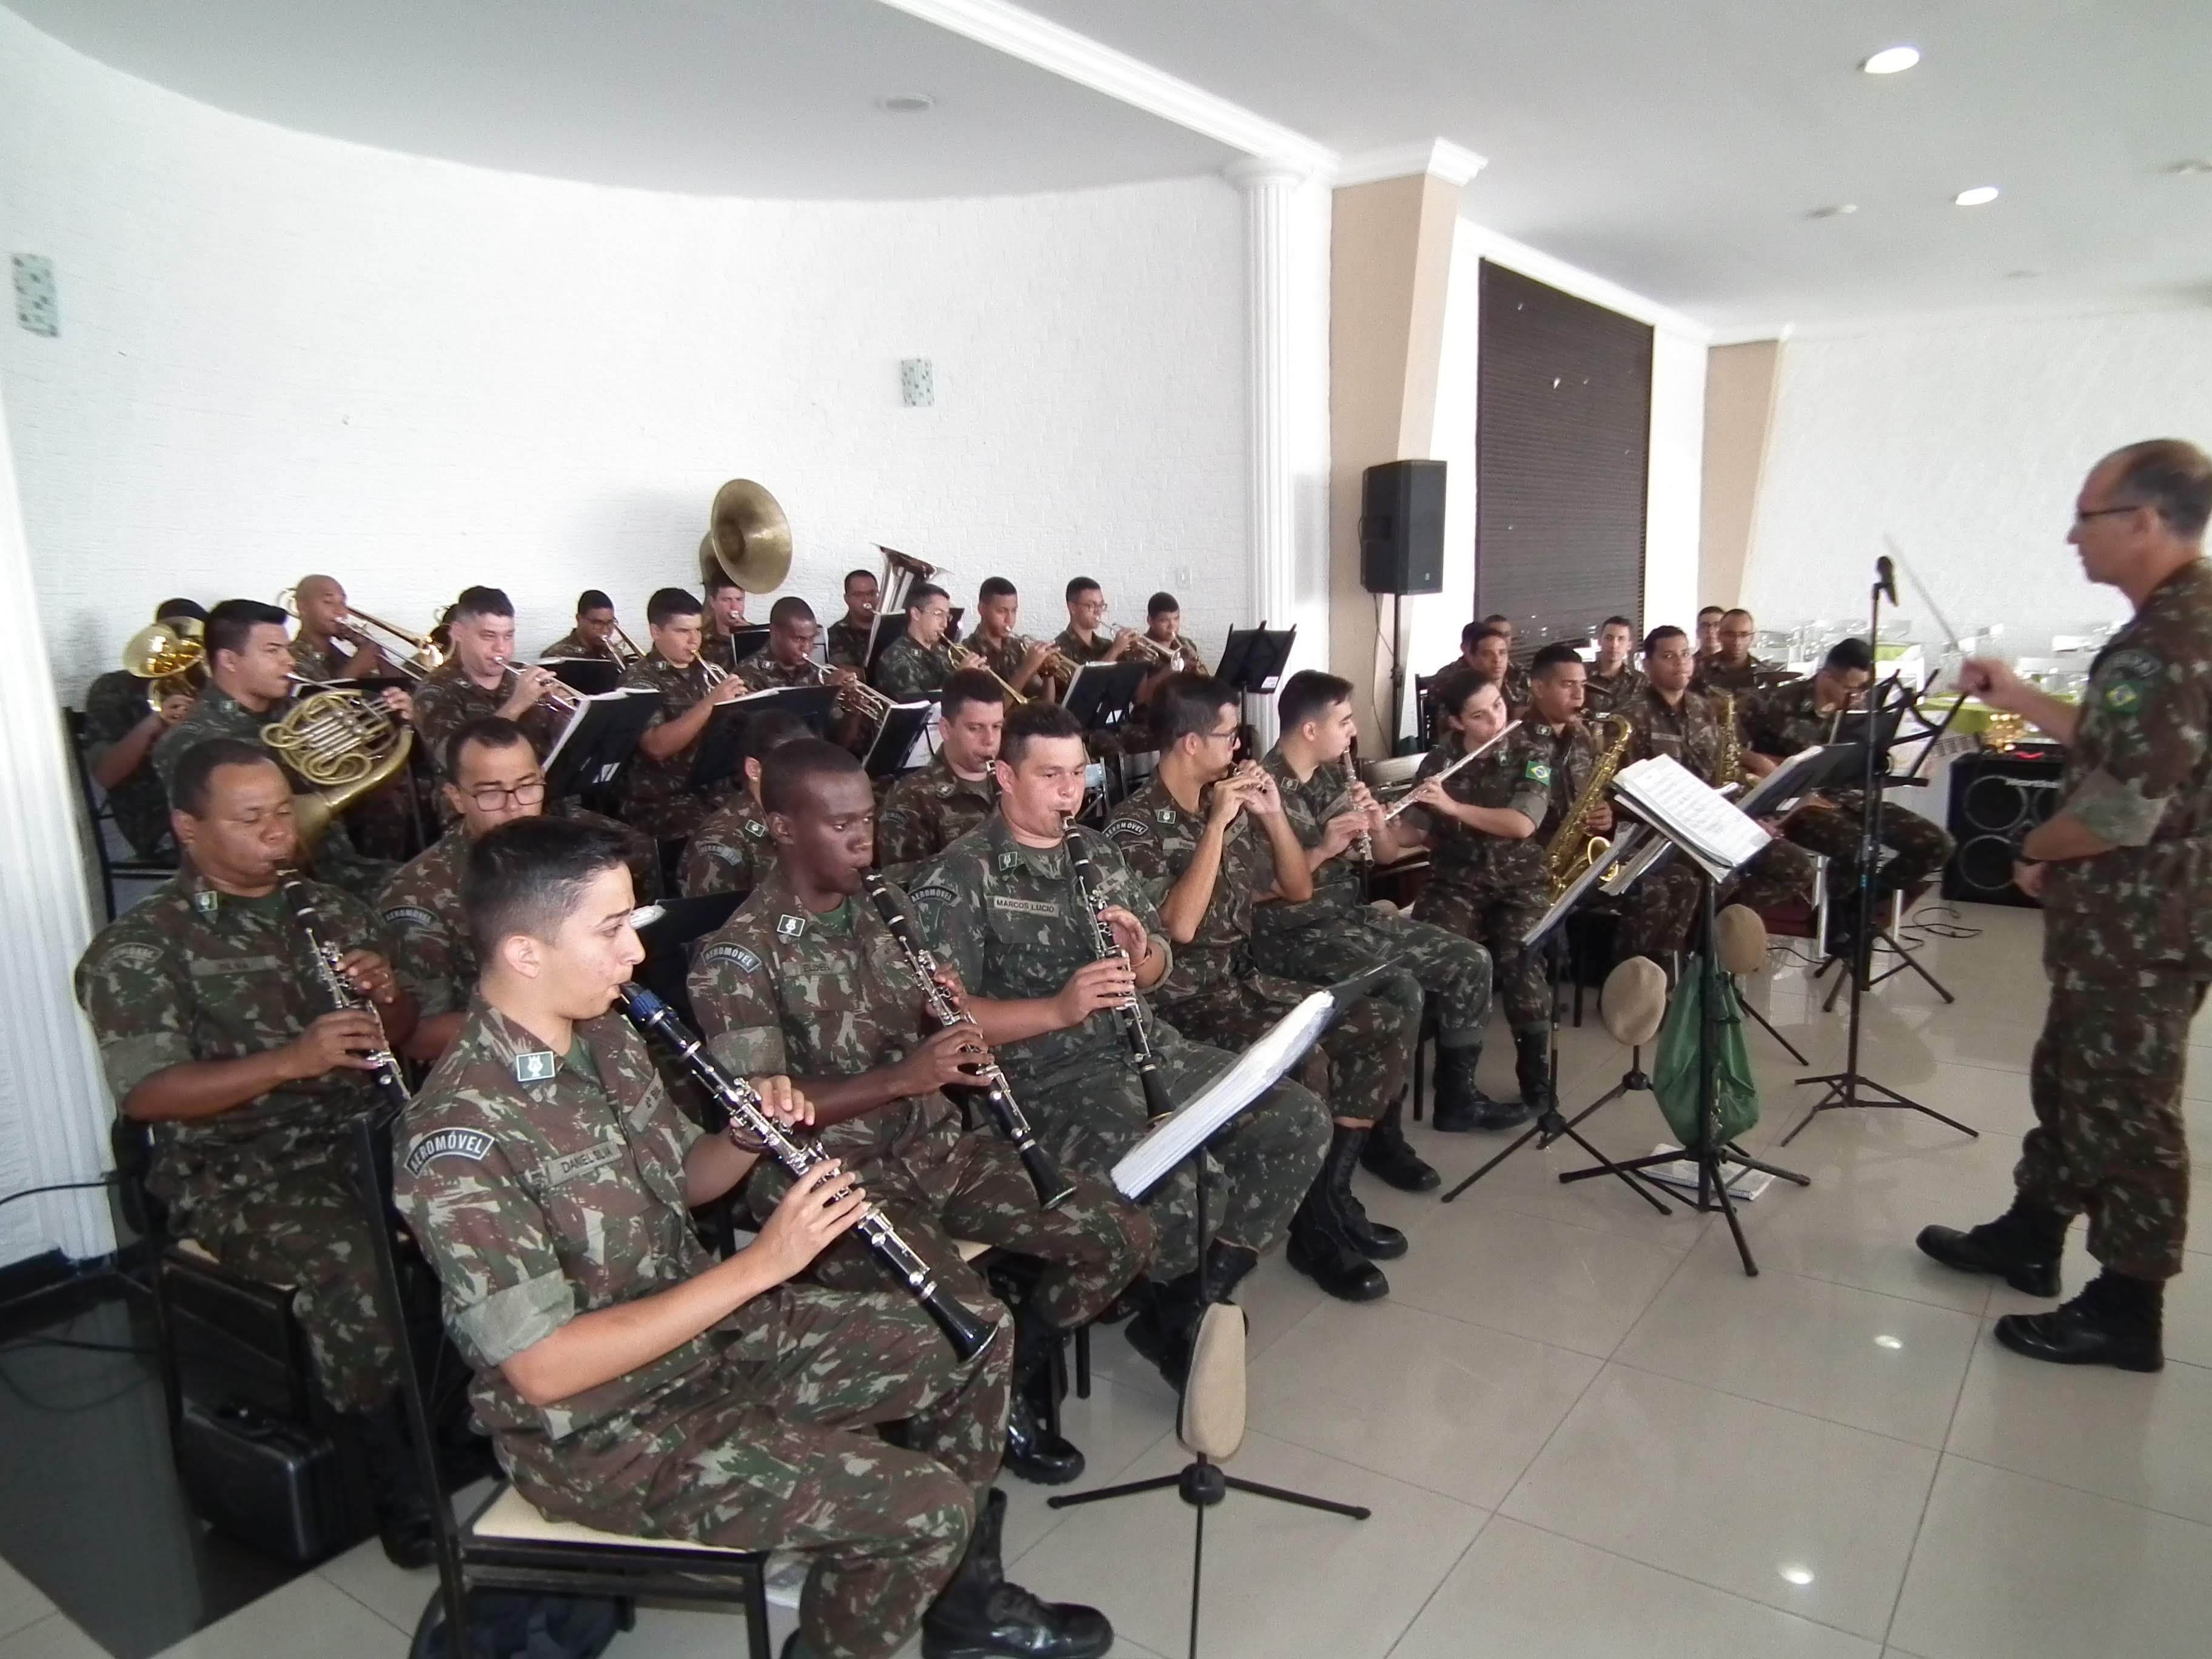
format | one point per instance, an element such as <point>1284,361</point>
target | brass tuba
<point>748,538</point>
<point>170,658</point>
<point>343,746</point>
<point>1572,850</point>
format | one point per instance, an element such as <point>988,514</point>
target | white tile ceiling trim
<point>1454,162</point>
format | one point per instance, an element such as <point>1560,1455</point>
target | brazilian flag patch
<point>1540,772</point>
<point>2122,697</point>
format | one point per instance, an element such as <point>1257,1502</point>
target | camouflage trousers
<point>948,1185</point>
<point>307,1230</point>
<point>1495,915</point>
<point>1264,1160</point>
<point>1360,1068</point>
<point>1661,911</point>
<point>2105,1082</point>
<point>1433,964</point>
<point>775,1448</point>
<point>1919,848</point>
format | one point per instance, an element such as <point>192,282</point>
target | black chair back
<point>98,816</point>
<point>668,939</point>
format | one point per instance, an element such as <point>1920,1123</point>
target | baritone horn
<point>170,658</point>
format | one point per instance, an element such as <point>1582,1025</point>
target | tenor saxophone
<point>1572,850</point>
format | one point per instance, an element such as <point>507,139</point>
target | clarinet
<point>969,1336</point>
<point>1053,1189</point>
<point>383,1067</point>
<point>1157,1104</point>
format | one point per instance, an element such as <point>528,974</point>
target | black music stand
<point>896,734</point>
<point>720,755</point>
<point>1102,694</point>
<point>593,676</point>
<point>1252,661</point>
<point>1202,1482</point>
<point>598,742</point>
<point>744,640</point>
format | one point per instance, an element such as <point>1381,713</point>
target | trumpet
<point>1391,812</point>
<point>857,697</point>
<point>561,696</point>
<point>1053,1187</point>
<point>1145,647</point>
<point>963,657</point>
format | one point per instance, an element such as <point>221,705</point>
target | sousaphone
<point>748,538</point>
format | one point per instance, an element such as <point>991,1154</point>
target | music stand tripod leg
<point>1767,1026</point>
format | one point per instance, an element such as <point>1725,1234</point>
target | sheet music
<point>1664,790</point>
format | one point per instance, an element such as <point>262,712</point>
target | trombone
<point>422,658</point>
<point>622,648</point>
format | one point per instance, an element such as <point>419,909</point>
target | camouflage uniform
<point>422,911</point>
<point>1137,730</point>
<point>657,794</point>
<point>729,852</point>
<point>1601,696</point>
<point>761,671</point>
<point>1713,676</point>
<point>1004,659</point>
<point>2127,940</point>
<point>1661,908</point>
<point>780,990</point>
<point>1485,887</point>
<point>1216,992</point>
<point>194,974</point>
<point>113,706</point>
<point>1004,918</point>
<point>845,644</point>
<point>1785,719</point>
<point>574,644</point>
<point>722,649</point>
<point>217,713</point>
<point>448,700</point>
<point>924,813</point>
<point>907,672</point>
<point>539,1201</point>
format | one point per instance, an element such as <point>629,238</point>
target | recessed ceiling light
<point>1794,1574</point>
<point>1977,197</point>
<point>1891,60</point>
<point>905,103</point>
<point>1834,211</point>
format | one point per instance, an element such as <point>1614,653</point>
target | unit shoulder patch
<point>469,1144</point>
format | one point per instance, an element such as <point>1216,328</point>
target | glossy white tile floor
<point>1585,1432</point>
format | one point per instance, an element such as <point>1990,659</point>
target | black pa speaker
<point>1402,527</point>
<point>1995,800</point>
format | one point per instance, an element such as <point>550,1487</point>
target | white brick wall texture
<point>281,354</point>
<point>1966,442</point>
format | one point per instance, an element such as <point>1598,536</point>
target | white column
<point>54,1109</point>
<point>1286,263</point>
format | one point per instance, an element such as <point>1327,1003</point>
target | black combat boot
<point>1461,1103</point>
<point>2115,1321</point>
<point>1373,1239</point>
<point>403,1524</point>
<point>979,1615</point>
<point>2023,1247</point>
<point>1388,1155</point>
<point>1320,1249</point>
<point>1532,1064</point>
<point>1034,1452</point>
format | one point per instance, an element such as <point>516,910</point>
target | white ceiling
<point>772,98</point>
<point>1674,146</point>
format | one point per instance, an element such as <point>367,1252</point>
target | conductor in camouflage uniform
<point>120,732</point>
<point>249,689</point>
<point>730,851</point>
<point>1671,720</point>
<point>657,793</point>
<point>925,812</point>
<point>2123,868</point>
<point>806,979</point>
<point>1210,840</point>
<point>914,666</point>
<point>1336,935</point>
<point>999,907</point>
<point>215,1028</point>
<point>632,1383</point>
<point>1487,876</point>
<point>1782,720</point>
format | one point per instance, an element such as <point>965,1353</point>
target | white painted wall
<point>281,354</point>
<point>1965,440</point>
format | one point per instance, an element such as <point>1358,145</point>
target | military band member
<point>847,640</point>
<point>925,812</point>
<point>1709,634</point>
<point>787,659</point>
<point>496,778</point>
<point>726,616</point>
<point>916,664</point>
<point>731,850</point>
<point>999,907</point>
<point>1086,638</point>
<point>1336,933</point>
<point>805,979</point>
<point>592,638</point>
<point>120,732</point>
<point>1020,663</point>
<point>214,1029</point>
<point>1163,632</point>
<point>1732,668</point>
<point>1209,841</point>
<point>250,687</point>
<point>325,647</point>
<point>1485,650</point>
<point>1782,720</point>
<point>1487,874</point>
<point>1613,679</point>
<point>482,679</point>
<point>657,793</point>
<point>631,1382</point>
<point>1671,720</point>
<point>2124,872</point>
